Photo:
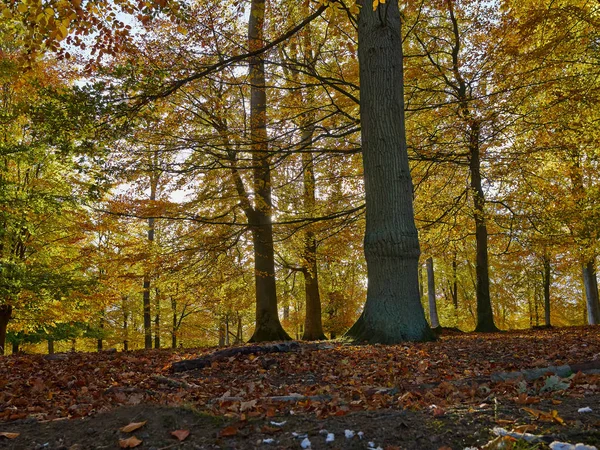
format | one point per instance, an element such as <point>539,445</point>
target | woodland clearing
<point>416,395</point>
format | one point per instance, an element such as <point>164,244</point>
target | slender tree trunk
<point>239,335</point>
<point>147,279</point>
<point>591,292</point>
<point>227,341</point>
<point>5,316</point>
<point>268,327</point>
<point>221,334</point>
<point>101,326</point>
<point>147,313</point>
<point>433,314</point>
<point>51,346</point>
<point>174,323</point>
<point>157,319</point>
<point>15,347</point>
<point>547,282</point>
<point>393,311</point>
<point>125,324</point>
<point>454,285</point>
<point>313,325</point>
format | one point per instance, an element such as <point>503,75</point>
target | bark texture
<point>547,282</point>
<point>591,292</point>
<point>5,316</point>
<point>268,327</point>
<point>393,312</point>
<point>433,314</point>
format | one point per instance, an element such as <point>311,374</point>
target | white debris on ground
<point>323,432</point>
<point>268,441</point>
<point>525,436</point>
<point>349,434</point>
<point>587,409</point>
<point>279,424</point>
<point>565,446</point>
<point>330,438</point>
<point>299,435</point>
<point>361,435</point>
<point>305,443</point>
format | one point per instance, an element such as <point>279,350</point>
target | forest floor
<point>450,393</point>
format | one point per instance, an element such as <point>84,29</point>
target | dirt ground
<point>457,428</point>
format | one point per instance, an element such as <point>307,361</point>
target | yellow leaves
<point>376,3</point>
<point>551,416</point>
<point>22,8</point>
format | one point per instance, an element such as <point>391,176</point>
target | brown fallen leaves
<point>132,427</point>
<point>332,381</point>
<point>130,442</point>
<point>181,435</point>
<point>8,435</point>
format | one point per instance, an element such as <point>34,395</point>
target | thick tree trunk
<point>485,314</point>
<point>393,311</point>
<point>5,316</point>
<point>433,314</point>
<point>591,292</point>
<point>547,281</point>
<point>268,327</point>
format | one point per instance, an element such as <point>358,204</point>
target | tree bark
<point>268,327</point>
<point>147,279</point>
<point>51,346</point>
<point>393,311</point>
<point>547,281</point>
<point>313,325</point>
<point>174,322</point>
<point>485,314</point>
<point>157,319</point>
<point>5,316</point>
<point>433,314</point>
<point>591,292</point>
<point>125,325</point>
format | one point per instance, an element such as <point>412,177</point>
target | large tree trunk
<point>268,327</point>
<point>5,316</point>
<point>433,314</point>
<point>393,311</point>
<point>485,315</point>
<point>591,292</point>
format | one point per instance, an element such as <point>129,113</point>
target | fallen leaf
<point>266,429</point>
<point>9,435</point>
<point>129,442</point>
<point>245,406</point>
<point>228,431</point>
<point>180,434</point>
<point>132,427</point>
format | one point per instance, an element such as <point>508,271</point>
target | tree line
<point>202,173</point>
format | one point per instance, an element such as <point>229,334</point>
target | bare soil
<point>456,428</point>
